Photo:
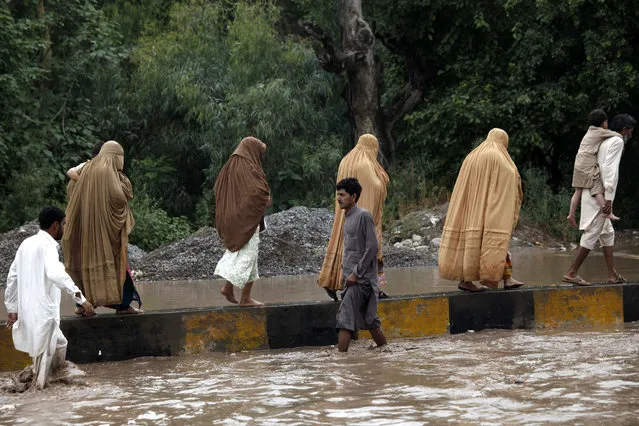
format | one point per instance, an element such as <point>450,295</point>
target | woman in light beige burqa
<point>483,211</point>
<point>96,237</point>
<point>360,163</point>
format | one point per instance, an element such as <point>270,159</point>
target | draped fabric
<point>586,170</point>
<point>241,194</point>
<point>360,163</point>
<point>99,222</point>
<point>484,209</point>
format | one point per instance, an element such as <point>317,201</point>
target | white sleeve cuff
<point>80,300</point>
<point>12,308</point>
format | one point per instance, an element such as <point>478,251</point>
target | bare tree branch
<point>329,57</point>
<point>418,78</point>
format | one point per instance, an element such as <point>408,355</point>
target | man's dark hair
<point>622,121</point>
<point>49,216</point>
<point>351,186</point>
<point>97,147</point>
<point>597,117</point>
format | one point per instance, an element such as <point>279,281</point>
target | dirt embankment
<point>294,243</point>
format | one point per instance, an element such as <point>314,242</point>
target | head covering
<point>241,194</point>
<point>361,163</point>
<point>99,221</point>
<point>483,210</point>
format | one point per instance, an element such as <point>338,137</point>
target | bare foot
<point>228,293</point>
<point>250,302</point>
<point>573,222</point>
<point>612,217</point>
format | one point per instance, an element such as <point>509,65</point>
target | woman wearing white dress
<point>242,196</point>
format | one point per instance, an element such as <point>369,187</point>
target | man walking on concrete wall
<point>595,226</point>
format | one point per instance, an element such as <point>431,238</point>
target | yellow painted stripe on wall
<point>10,358</point>
<point>225,330</point>
<point>414,317</point>
<point>579,306</point>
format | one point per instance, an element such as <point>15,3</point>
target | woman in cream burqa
<point>242,196</point>
<point>99,221</point>
<point>483,210</point>
<point>360,163</point>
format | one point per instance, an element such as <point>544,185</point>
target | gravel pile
<point>294,243</point>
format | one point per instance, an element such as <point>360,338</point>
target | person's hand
<point>351,279</point>
<point>11,319</point>
<point>607,208</point>
<point>88,309</point>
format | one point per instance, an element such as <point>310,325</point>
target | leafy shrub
<point>153,226</point>
<point>544,209</point>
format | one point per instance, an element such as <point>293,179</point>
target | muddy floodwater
<point>489,377</point>
<point>534,266</point>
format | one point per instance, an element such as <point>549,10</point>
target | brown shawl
<point>360,163</point>
<point>483,210</point>
<point>99,221</point>
<point>241,194</point>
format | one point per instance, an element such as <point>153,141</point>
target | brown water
<point>490,377</point>
<point>534,266</point>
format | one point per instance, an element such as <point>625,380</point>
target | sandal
<point>473,288</point>
<point>619,280</point>
<point>513,284</point>
<point>576,280</point>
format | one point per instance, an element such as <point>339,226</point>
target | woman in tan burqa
<point>242,196</point>
<point>96,237</point>
<point>483,210</point>
<point>360,163</point>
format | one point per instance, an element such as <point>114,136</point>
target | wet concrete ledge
<point>188,331</point>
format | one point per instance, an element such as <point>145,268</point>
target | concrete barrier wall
<point>188,331</point>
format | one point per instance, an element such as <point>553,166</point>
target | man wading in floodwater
<point>32,297</point>
<point>358,310</point>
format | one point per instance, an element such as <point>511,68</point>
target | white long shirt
<point>608,157</point>
<point>33,292</point>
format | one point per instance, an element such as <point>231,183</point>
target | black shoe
<point>331,293</point>
<point>382,295</point>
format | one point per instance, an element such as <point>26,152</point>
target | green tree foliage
<point>216,74</point>
<point>179,83</point>
<point>53,71</point>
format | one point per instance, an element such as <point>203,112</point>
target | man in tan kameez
<point>360,163</point>
<point>483,210</point>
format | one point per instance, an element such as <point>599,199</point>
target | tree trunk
<point>47,50</point>
<point>362,94</point>
<point>356,61</point>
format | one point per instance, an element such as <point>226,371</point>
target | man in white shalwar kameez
<point>593,221</point>
<point>32,297</point>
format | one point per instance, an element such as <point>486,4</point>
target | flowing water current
<point>531,377</point>
<point>489,377</point>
